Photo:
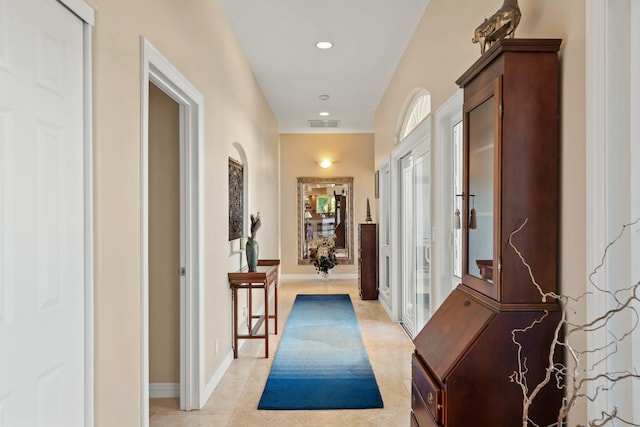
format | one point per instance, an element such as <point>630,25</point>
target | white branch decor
<point>573,375</point>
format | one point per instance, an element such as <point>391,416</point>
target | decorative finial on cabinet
<point>502,24</point>
<point>368,219</point>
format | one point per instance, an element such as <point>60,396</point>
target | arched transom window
<point>417,111</point>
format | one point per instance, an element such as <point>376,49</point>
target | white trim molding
<point>164,390</point>
<point>157,69</point>
<point>446,117</point>
<point>596,160</point>
<point>292,277</point>
<point>86,14</point>
<point>81,9</point>
<point>219,373</point>
<point>612,64</point>
<point>635,173</point>
<point>89,325</point>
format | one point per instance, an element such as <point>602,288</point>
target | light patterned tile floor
<point>234,402</point>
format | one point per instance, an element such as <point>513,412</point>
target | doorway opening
<point>165,240</point>
<point>168,81</point>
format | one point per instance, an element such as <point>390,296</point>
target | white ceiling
<point>279,36</point>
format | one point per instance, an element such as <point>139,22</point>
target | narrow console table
<point>264,278</point>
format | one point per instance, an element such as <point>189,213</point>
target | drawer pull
<point>430,398</point>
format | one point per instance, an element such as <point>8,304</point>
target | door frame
<point>406,249</point>
<point>385,294</point>
<point>607,209</point>
<point>420,135</point>
<point>158,70</point>
<point>85,13</point>
<point>447,115</point>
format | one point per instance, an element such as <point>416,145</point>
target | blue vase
<point>252,254</point>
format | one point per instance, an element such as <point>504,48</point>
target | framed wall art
<point>236,199</point>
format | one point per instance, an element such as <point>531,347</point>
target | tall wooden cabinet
<point>368,261</point>
<point>464,356</point>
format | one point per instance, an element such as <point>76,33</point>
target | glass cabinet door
<point>481,161</point>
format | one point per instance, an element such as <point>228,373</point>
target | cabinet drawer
<point>419,412</point>
<point>414,422</point>
<point>429,391</point>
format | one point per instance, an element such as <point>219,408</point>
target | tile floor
<point>234,402</point>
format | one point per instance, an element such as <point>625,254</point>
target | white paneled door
<point>42,222</point>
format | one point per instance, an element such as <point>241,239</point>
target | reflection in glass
<point>384,207</point>
<point>408,282</point>
<point>480,197</point>
<point>457,200</point>
<point>325,215</point>
<point>423,238</point>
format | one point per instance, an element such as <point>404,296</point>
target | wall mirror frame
<point>325,209</point>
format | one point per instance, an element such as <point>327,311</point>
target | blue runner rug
<point>321,362</point>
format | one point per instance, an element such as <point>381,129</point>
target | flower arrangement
<point>323,253</point>
<point>255,225</point>
<point>252,248</point>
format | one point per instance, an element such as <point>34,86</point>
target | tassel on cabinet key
<point>473,222</point>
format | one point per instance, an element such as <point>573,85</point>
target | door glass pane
<point>385,220</point>
<point>457,200</point>
<point>407,245</point>
<point>422,173</point>
<point>480,197</point>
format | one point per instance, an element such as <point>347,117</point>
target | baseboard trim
<point>164,390</point>
<point>288,277</point>
<point>217,376</point>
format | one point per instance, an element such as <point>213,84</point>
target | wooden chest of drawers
<point>426,395</point>
<point>368,261</point>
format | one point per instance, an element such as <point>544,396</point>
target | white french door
<point>422,245</point>
<point>43,216</point>
<point>415,188</point>
<point>411,226</point>
<point>407,258</point>
<point>385,295</point>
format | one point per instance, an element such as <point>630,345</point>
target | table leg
<point>234,296</point>
<point>250,310</point>
<point>266,320</point>
<point>275,306</point>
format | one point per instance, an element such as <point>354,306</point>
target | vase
<point>324,275</point>
<point>252,250</point>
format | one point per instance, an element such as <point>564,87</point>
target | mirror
<point>325,210</point>
<point>479,198</point>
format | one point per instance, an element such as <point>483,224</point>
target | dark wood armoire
<point>368,261</point>
<point>464,356</point>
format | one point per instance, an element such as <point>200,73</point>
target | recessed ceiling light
<point>324,45</point>
<point>324,97</point>
<point>324,113</point>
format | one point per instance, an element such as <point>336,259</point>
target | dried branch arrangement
<point>579,370</point>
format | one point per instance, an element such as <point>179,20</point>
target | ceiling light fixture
<point>325,163</point>
<point>324,113</point>
<point>324,97</point>
<point>324,45</point>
